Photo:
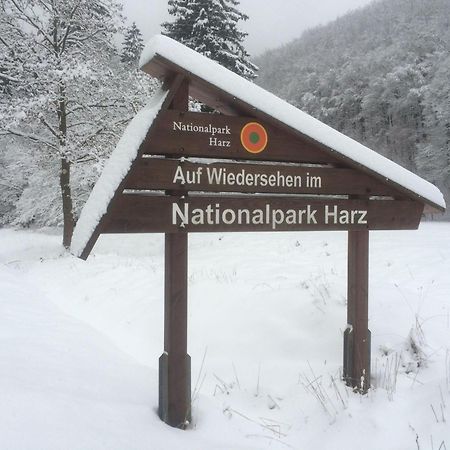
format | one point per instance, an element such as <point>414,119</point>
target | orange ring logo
<point>254,137</point>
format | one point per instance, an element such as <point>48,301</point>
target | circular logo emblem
<point>254,137</point>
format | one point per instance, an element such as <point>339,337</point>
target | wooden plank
<point>134,213</point>
<point>396,215</point>
<point>162,174</point>
<point>178,133</point>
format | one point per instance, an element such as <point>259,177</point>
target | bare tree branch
<point>105,129</point>
<point>63,40</point>
<point>86,158</point>
<point>32,137</point>
<point>8,78</point>
<point>51,129</point>
<point>26,18</point>
<point>75,39</point>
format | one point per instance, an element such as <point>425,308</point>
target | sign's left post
<point>175,363</point>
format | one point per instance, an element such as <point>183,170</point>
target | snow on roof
<point>250,93</point>
<point>115,170</point>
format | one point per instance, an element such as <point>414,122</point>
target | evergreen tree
<point>210,27</point>
<point>132,45</point>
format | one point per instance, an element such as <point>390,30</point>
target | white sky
<point>271,23</point>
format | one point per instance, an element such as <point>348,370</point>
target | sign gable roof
<point>228,92</point>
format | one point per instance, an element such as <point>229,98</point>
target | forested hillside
<point>380,74</point>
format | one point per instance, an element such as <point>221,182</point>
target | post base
<point>356,377</point>
<point>175,392</point>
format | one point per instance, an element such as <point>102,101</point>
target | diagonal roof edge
<point>271,105</point>
<point>116,168</point>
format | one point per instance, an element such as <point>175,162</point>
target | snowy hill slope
<point>378,74</point>
<point>80,341</point>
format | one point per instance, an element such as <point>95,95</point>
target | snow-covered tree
<point>132,45</point>
<point>433,157</point>
<point>211,28</point>
<point>65,96</point>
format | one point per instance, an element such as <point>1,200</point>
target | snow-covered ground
<point>80,341</point>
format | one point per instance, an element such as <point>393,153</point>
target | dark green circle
<point>254,137</point>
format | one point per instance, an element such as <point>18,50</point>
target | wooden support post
<point>357,334</point>
<point>175,363</point>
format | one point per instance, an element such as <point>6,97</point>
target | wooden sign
<point>178,133</point>
<point>170,174</point>
<point>256,173</point>
<point>135,213</point>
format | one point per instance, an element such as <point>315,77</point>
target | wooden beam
<point>174,363</point>
<point>357,334</point>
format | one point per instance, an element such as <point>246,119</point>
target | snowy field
<point>80,343</point>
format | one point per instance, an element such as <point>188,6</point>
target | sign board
<point>179,133</point>
<point>308,191</point>
<point>178,175</point>
<point>135,213</point>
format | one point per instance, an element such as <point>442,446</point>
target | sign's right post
<point>357,334</point>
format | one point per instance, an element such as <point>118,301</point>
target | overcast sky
<point>271,22</point>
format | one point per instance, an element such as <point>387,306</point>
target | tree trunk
<point>66,193</point>
<point>64,175</point>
